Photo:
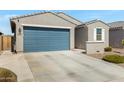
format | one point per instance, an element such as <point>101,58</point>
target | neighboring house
<point>92,36</point>
<point>116,34</point>
<point>43,32</point>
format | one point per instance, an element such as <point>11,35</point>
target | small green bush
<point>122,42</point>
<point>114,58</point>
<point>108,49</point>
<point>7,75</point>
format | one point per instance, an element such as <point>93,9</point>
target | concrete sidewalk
<point>17,64</point>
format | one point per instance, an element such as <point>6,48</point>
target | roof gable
<point>46,18</point>
<point>70,18</point>
<point>94,21</point>
<point>28,15</point>
<point>91,22</point>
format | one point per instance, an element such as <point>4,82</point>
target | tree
<point>1,33</point>
<point>122,42</point>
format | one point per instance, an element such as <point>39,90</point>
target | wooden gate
<point>5,42</point>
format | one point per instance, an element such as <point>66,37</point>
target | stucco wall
<point>81,36</point>
<point>91,31</point>
<point>95,47</point>
<point>115,38</point>
<point>42,19</point>
<point>84,38</point>
<point>69,18</point>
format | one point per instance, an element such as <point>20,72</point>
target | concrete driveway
<point>71,66</point>
<point>60,66</point>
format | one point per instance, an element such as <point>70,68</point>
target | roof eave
<point>12,24</point>
<point>98,21</point>
<point>70,17</point>
<point>14,18</point>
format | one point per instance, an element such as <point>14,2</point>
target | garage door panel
<point>45,39</point>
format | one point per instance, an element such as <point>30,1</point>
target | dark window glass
<point>98,34</point>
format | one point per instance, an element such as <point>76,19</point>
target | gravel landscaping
<point>115,51</point>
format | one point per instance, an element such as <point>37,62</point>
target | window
<point>99,34</point>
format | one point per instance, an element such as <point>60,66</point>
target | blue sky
<point>82,15</point>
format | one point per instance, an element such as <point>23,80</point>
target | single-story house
<point>116,34</point>
<point>58,31</point>
<point>45,31</point>
<point>93,36</point>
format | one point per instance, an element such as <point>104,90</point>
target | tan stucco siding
<point>100,46</point>
<point>95,47</point>
<point>46,19</point>
<point>115,38</point>
<point>81,36</point>
<point>69,18</point>
<point>91,28</point>
<point>85,37</point>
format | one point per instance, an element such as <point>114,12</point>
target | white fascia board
<point>34,25</point>
<point>103,34</point>
<point>94,34</point>
<point>94,41</point>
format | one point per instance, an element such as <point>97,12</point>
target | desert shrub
<point>122,42</point>
<point>108,49</point>
<point>114,58</point>
<point>7,75</point>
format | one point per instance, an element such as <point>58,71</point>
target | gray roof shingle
<point>68,17</point>
<point>117,24</point>
<point>93,21</point>
<point>38,13</point>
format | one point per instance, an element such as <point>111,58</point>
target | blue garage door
<point>46,39</point>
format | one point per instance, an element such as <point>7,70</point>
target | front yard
<point>116,53</point>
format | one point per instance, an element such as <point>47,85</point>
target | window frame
<point>102,34</point>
